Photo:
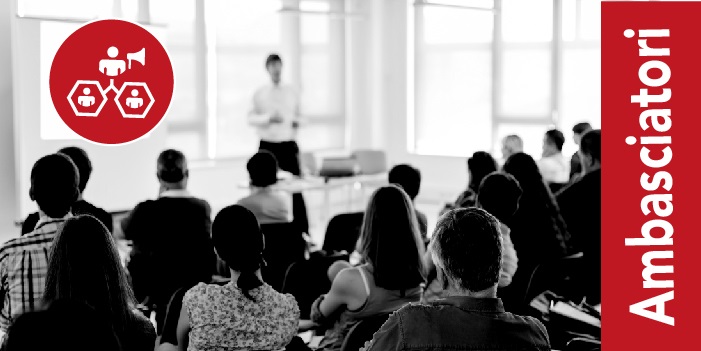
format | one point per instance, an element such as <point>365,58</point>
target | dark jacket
<point>460,323</point>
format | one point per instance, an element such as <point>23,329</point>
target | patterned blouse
<point>222,318</point>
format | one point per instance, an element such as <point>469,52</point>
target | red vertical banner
<point>651,247</point>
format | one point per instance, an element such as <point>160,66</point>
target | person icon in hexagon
<point>111,67</point>
<point>86,100</point>
<point>134,101</point>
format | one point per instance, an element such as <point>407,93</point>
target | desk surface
<point>296,185</point>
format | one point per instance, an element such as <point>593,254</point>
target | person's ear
<point>31,193</point>
<point>187,173</point>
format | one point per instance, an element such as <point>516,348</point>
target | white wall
<point>7,159</point>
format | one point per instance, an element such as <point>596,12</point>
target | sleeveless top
<point>379,301</point>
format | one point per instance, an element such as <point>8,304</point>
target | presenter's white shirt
<point>555,168</point>
<point>268,100</point>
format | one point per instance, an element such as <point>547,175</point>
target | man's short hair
<point>513,142</point>
<point>407,177</point>
<point>54,186</point>
<point>499,194</point>
<point>581,127</point>
<point>272,58</point>
<point>467,248</point>
<point>556,138</point>
<point>591,144</point>
<point>172,166</point>
<point>262,169</point>
<point>82,162</point>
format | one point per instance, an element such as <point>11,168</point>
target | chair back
<point>362,332</point>
<point>343,232</point>
<point>583,344</point>
<point>284,244</point>
<point>562,276</point>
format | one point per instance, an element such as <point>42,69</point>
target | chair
<point>562,276</point>
<point>370,161</point>
<point>343,232</point>
<point>306,280</point>
<point>362,332</point>
<point>583,344</point>
<point>308,163</point>
<point>284,244</point>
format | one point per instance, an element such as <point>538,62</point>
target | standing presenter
<point>275,115</point>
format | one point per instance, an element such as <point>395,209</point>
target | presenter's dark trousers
<point>287,155</point>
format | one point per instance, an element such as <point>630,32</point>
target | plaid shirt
<point>23,266</point>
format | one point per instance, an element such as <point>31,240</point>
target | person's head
<point>54,185</point>
<point>84,265</point>
<point>478,166</point>
<point>172,169</point>
<point>499,194</point>
<point>390,241</point>
<point>524,168</point>
<point>239,242</point>
<point>510,145</point>
<point>552,142</point>
<point>63,325</point>
<point>578,130</point>
<point>82,162</point>
<point>408,178</point>
<point>590,150</point>
<point>273,64</point>
<point>262,169</point>
<point>466,249</point>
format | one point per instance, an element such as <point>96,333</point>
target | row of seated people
<point>189,255</point>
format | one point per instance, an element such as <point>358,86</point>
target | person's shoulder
<point>287,301</point>
<point>536,327</point>
<point>349,281</point>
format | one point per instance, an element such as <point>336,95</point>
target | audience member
<point>478,166</point>
<point>409,179</point>
<point>538,231</point>
<point>499,195</point>
<point>171,238</point>
<point>85,266</point>
<point>267,204</point>
<point>510,145</point>
<point>246,313</point>
<point>390,276</point>
<point>63,325</point>
<point>580,204</point>
<point>575,164</point>
<point>82,162</point>
<point>466,248</point>
<point>553,165</point>
<point>24,260</point>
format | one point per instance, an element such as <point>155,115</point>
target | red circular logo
<point>111,81</point>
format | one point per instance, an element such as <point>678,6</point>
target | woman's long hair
<point>239,241</point>
<point>479,166</point>
<point>537,211</point>
<point>390,241</point>
<point>84,265</point>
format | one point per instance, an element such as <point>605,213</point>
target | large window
<point>520,68</point>
<point>218,50</point>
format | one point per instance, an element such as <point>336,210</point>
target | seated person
<point>82,162</point>
<point>478,166</point>
<point>391,273</point>
<point>267,204</point>
<point>171,240</point>
<point>62,325</point>
<point>246,313</point>
<point>466,248</point>
<point>85,266</point>
<point>575,163</point>
<point>553,166</point>
<point>409,179</point>
<point>511,144</point>
<point>580,205</point>
<point>499,194</point>
<point>23,260</point>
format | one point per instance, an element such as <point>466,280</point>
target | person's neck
<point>236,274</point>
<point>550,153</point>
<point>172,186</point>
<point>488,293</point>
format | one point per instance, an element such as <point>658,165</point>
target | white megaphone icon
<point>139,56</point>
